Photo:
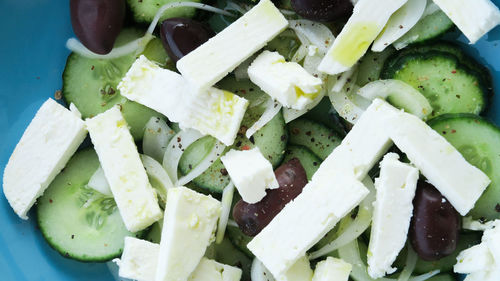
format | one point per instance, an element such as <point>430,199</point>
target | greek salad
<point>288,140</point>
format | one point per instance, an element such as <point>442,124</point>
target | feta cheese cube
<point>188,228</point>
<point>287,82</point>
<point>482,262</point>
<point>443,166</point>
<point>473,18</point>
<point>392,214</point>
<point>210,270</point>
<point>221,54</point>
<point>139,259</point>
<point>309,217</point>
<point>332,269</point>
<point>300,271</point>
<point>212,111</point>
<point>47,144</point>
<point>251,173</point>
<point>123,169</point>
<point>367,21</point>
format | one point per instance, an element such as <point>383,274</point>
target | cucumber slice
<point>371,64</point>
<point>309,160</point>
<point>316,137</point>
<point>325,114</point>
<point>477,140</point>
<point>455,50</point>
<point>239,239</point>
<point>227,253</point>
<point>429,27</point>
<point>145,10</point>
<point>91,84</point>
<point>77,221</point>
<point>271,140</point>
<point>449,87</point>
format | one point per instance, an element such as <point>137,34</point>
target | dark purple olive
<point>252,218</point>
<point>323,10</point>
<point>97,23</point>
<point>180,36</point>
<point>435,225</point>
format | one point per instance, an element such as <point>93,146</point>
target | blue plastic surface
<point>32,35</point>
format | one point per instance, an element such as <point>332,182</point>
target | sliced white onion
<point>212,156</point>
<point>425,276</point>
<point>430,9</point>
<point>350,253</point>
<point>227,200</point>
<point>200,6</point>
<point>272,108</point>
<point>259,272</point>
<point>99,182</point>
<point>399,24</point>
<point>346,102</point>
<point>157,135</point>
<point>313,33</point>
<point>136,45</point>
<point>416,103</point>
<point>411,262</point>
<point>300,54</point>
<point>355,227</point>
<point>155,171</point>
<point>175,149</point>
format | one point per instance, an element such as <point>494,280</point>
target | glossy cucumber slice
<point>227,253</point>
<point>309,160</point>
<point>478,140</point>
<point>439,76</point>
<point>145,10</point>
<point>239,239</point>
<point>91,84</point>
<point>77,221</point>
<point>316,137</point>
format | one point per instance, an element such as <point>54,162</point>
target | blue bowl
<point>33,36</point>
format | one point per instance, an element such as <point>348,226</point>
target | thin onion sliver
<point>227,200</point>
<point>272,108</point>
<point>212,156</point>
<point>175,149</point>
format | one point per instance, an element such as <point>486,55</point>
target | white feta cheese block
<point>139,259</point>
<point>127,178</point>
<point>47,144</point>
<point>210,270</point>
<point>287,82</point>
<point>157,88</point>
<point>482,262</point>
<point>473,18</point>
<point>217,113</point>
<point>300,271</point>
<point>188,228</point>
<point>332,269</point>
<point>221,54</point>
<point>399,24</point>
<point>251,173</point>
<point>443,166</point>
<point>212,111</point>
<point>309,217</point>
<point>367,21</point>
<point>392,214</point>
<point>363,146</point>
